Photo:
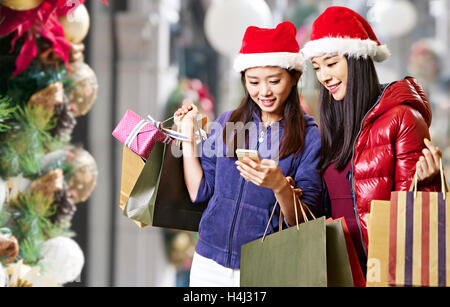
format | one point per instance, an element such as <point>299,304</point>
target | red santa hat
<point>270,47</point>
<point>343,31</point>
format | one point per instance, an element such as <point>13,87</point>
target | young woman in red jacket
<point>372,135</point>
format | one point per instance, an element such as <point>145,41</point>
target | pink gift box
<point>137,134</point>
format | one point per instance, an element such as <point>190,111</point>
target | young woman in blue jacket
<point>242,194</point>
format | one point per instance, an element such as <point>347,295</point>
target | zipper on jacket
<point>230,243</point>
<point>352,185</point>
<point>236,210</point>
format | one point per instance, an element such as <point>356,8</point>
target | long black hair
<point>341,121</point>
<point>293,138</point>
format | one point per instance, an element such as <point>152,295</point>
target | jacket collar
<point>406,91</point>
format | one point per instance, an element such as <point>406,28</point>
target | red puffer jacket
<point>389,145</point>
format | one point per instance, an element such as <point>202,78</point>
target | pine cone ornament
<point>9,248</point>
<point>65,121</point>
<point>65,208</point>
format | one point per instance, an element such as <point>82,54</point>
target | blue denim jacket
<point>238,211</point>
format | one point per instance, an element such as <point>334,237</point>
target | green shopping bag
<point>339,271</point>
<point>313,253</point>
<point>296,256</point>
<point>158,196</point>
<point>287,258</point>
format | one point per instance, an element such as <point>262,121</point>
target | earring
<point>329,97</point>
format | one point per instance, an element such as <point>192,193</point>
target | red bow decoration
<point>42,20</point>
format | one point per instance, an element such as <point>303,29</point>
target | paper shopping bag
<point>378,248</point>
<point>419,237</point>
<point>142,184</point>
<point>291,257</point>
<point>343,265</point>
<point>147,202</point>
<point>173,205</point>
<point>357,273</point>
<point>132,166</point>
<point>296,256</point>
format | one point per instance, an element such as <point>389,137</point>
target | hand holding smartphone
<point>250,153</point>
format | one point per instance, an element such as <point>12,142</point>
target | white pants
<point>208,273</point>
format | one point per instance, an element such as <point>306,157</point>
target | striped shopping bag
<point>419,238</point>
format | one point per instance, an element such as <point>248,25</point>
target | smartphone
<point>251,153</point>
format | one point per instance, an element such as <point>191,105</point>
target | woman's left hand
<point>266,173</point>
<point>428,164</point>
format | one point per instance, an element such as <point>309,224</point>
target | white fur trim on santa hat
<point>352,47</point>
<point>287,60</point>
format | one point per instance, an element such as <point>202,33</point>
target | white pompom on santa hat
<point>340,30</point>
<point>270,47</point>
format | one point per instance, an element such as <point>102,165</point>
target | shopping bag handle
<point>305,217</point>
<point>172,133</point>
<point>280,227</point>
<point>444,184</point>
<point>199,135</point>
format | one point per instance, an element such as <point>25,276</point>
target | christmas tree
<point>44,86</point>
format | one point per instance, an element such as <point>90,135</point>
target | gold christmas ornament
<point>82,181</point>
<point>76,52</point>
<point>182,248</point>
<point>181,242</point>
<point>76,24</point>
<point>48,184</point>
<point>48,97</point>
<point>21,5</point>
<point>83,93</point>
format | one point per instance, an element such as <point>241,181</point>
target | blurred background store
<point>149,54</point>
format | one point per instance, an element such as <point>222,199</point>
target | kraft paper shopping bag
<point>378,248</point>
<point>148,202</point>
<point>419,237</point>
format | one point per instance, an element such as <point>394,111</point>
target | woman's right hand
<point>185,118</point>
<point>428,165</point>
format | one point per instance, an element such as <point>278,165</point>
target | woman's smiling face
<point>332,73</point>
<point>269,87</point>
